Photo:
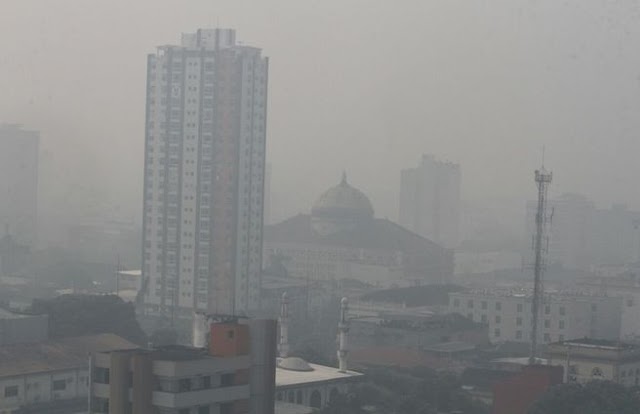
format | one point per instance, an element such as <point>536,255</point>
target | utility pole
<point>543,179</point>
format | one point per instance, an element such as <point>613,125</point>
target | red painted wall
<point>516,394</point>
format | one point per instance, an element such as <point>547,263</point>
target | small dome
<point>343,200</point>
<point>294,364</point>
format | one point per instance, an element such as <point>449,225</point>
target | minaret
<point>343,328</point>
<point>283,346</point>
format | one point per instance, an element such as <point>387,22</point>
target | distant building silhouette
<point>19,182</point>
<point>430,200</point>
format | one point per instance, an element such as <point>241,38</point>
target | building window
<point>518,334</point>
<point>203,410</point>
<point>498,319</point>
<point>484,304</point>
<point>547,323</point>
<point>456,302</point>
<point>594,307</point>
<point>11,391</point>
<point>519,321</point>
<point>498,306</point>
<point>184,385</point>
<point>470,316</point>
<point>59,385</point>
<point>596,372</point>
<point>563,311</point>
<point>561,338</point>
<point>496,333</point>
<point>183,411</point>
<point>299,397</point>
<point>547,309</point>
<point>470,304</point>
<point>206,382</point>
<point>101,375</point>
<point>520,307</point>
<point>483,318</point>
<point>315,400</point>
<point>547,337</point>
<point>560,324</point>
<point>227,380</point>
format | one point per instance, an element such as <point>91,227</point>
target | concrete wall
<point>39,388</point>
<point>23,329</point>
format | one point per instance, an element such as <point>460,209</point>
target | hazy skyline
<point>362,85</point>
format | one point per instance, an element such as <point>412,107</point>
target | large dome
<point>343,201</point>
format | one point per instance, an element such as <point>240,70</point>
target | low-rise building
<point>312,385</point>
<point>231,370</point>
<point>590,359</point>
<point>50,376</point>
<point>16,328</point>
<point>563,315</point>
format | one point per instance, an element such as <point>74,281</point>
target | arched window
<point>333,394</point>
<point>299,397</point>
<point>316,399</point>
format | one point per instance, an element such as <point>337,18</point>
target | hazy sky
<point>366,85</point>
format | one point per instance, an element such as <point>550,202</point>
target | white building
<point>587,360</point>
<point>562,317</point>
<point>19,183</point>
<point>50,376</point>
<point>430,200</point>
<point>204,176</point>
<point>312,385</point>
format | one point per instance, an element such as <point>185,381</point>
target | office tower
<point>18,183</point>
<point>204,176</point>
<point>430,200</point>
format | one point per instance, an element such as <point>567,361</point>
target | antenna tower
<point>543,179</point>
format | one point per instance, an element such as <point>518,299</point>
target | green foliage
<point>77,315</point>
<point>597,397</point>
<point>416,391</point>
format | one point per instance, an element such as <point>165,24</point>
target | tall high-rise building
<point>430,200</point>
<point>204,176</point>
<point>19,183</point>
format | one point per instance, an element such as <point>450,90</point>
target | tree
<point>597,397</point>
<point>77,315</point>
<point>416,391</point>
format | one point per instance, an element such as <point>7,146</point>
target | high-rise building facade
<point>430,200</point>
<point>204,176</point>
<point>19,183</point>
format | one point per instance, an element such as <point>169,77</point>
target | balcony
<point>201,397</point>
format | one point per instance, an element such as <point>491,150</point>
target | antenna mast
<point>543,179</point>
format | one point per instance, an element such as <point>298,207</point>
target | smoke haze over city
<point>362,86</point>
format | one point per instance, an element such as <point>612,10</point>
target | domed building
<point>342,239</point>
<point>340,208</point>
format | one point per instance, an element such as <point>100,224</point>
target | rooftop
<point>599,343</point>
<point>370,234</point>
<point>319,374</point>
<point>57,355</point>
<point>290,408</point>
<point>5,314</point>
